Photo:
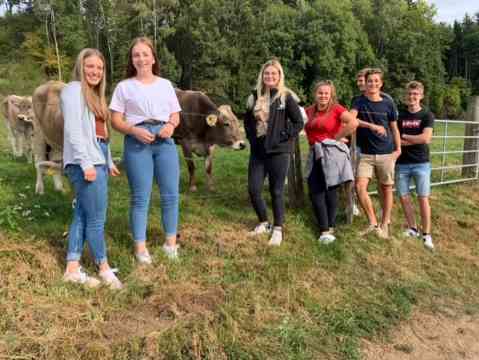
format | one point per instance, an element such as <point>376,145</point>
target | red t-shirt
<point>321,125</point>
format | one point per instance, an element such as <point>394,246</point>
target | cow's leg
<point>39,186</point>
<point>58,181</point>
<point>57,175</point>
<point>39,154</point>
<point>20,143</point>
<point>49,168</point>
<point>209,167</point>
<point>12,136</point>
<point>188,155</point>
<point>28,146</point>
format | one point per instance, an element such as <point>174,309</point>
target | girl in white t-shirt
<point>145,108</point>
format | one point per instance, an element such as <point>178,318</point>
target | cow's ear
<point>14,100</point>
<point>211,120</point>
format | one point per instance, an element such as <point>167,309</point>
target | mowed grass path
<point>230,296</point>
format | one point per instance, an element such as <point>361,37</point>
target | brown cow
<point>48,133</point>
<point>204,125</point>
<point>18,114</point>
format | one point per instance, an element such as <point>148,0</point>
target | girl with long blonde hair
<point>87,161</point>
<point>272,122</point>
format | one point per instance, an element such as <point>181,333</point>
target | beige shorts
<point>381,165</point>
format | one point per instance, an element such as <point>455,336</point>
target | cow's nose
<point>238,145</point>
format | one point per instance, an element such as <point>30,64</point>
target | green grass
<point>230,296</point>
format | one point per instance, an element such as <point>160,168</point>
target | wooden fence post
<point>471,144</point>
<point>349,187</point>
<point>295,177</point>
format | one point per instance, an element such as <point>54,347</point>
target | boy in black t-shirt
<point>415,126</point>
<point>379,141</point>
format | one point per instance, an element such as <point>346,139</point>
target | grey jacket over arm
<point>80,145</point>
<point>335,160</point>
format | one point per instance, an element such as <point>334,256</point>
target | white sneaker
<point>261,228</point>
<point>110,279</point>
<point>428,241</point>
<point>276,237</point>
<point>327,238</point>
<point>410,232</point>
<point>171,251</point>
<point>81,277</point>
<point>143,258</point>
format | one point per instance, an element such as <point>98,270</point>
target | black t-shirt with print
<point>382,113</point>
<point>414,124</point>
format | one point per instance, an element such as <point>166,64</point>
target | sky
<point>450,10</point>
<point>447,10</point>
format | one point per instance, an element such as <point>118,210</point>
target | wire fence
<point>454,152</point>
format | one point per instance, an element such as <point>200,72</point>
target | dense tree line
<point>218,45</point>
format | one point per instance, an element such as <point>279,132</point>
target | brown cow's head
<point>224,128</point>
<point>19,109</point>
<point>25,110</point>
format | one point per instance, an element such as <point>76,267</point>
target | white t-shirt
<point>139,102</point>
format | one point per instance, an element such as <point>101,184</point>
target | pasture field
<point>230,296</point>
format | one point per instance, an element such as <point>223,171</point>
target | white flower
<point>26,213</point>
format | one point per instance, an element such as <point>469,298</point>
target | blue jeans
<point>421,173</point>
<point>144,162</point>
<point>89,214</point>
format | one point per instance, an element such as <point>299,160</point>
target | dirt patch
<point>429,337</point>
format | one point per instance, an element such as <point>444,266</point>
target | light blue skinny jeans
<point>145,162</point>
<point>89,213</point>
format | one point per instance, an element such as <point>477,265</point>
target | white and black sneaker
<point>411,232</point>
<point>327,238</point>
<point>276,236</point>
<point>428,241</point>
<point>261,228</point>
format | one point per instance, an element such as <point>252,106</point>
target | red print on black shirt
<point>411,124</point>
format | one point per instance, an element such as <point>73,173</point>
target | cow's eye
<point>227,124</point>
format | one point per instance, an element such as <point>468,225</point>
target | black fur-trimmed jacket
<point>284,123</point>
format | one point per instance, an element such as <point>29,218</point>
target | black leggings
<point>275,166</point>
<point>325,201</point>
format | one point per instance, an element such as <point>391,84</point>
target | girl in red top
<point>326,120</point>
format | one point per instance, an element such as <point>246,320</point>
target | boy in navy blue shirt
<point>379,140</point>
